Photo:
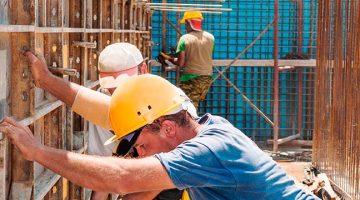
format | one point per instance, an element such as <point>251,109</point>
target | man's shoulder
<point>209,35</point>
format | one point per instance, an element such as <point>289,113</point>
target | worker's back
<point>199,47</point>
<point>223,163</point>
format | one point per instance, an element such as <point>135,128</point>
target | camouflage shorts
<point>197,88</point>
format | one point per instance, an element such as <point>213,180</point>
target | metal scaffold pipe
<point>183,10</point>
<point>190,8</point>
<point>183,4</point>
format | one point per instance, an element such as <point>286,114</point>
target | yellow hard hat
<point>185,196</point>
<point>139,101</point>
<point>191,15</point>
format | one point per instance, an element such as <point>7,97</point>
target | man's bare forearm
<point>64,90</point>
<point>94,172</point>
<point>105,174</point>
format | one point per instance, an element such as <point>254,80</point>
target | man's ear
<point>169,128</point>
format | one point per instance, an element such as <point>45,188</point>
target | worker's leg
<point>196,89</point>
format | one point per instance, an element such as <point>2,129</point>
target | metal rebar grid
<point>337,103</point>
<point>257,84</point>
<point>233,32</point>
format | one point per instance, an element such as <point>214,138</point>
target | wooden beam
<point>41,112</point>
<point>44,183</point>
<point>21,106</point>
<point>286,139</point>
<point>304,143</point>
<point>22,12</point>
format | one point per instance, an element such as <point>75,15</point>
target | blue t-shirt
<point>223,163</point>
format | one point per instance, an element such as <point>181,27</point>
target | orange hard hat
<point>191,15</point>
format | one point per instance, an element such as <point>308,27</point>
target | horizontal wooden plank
<point>17,28</point>
<point>41,111</point>
<point>305,143</point>
<point>48,179</point>
<point>31,28</point>
<point>287,139</point>
<point>258,63</point>
<point>48,29</point>
<point>91,84</point>
<point>73,30</point>
<point>44,183</point>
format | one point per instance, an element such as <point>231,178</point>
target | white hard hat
<point>119,59</point>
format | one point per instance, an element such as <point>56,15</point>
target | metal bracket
<point>65,71</point>
<point>89,45</point>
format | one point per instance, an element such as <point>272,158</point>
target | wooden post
<point>22,170</point>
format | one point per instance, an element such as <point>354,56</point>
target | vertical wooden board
<point>39,49</point>
<point>39,134</point>
<point>107,14</point>
<point>106,40</point>
<point>88,14</point>
<point>127,14</point>
<point>117,37</point>
<point>69,129</point>
<point>139,39</point>
<point>65,189</point>
<point>76,14</point>
<point>75,60</point>
<point>117,14</point>
<point>122,13</point>
<point>75,192</point>
<point>139,16</point>
<point>133,16</point>
<point>53,49</point>
<point>65,50</point>
<point>93,57</point>
<point>20,79</point>
<point>65,14</point>
<point>133,39</point>
<point>5,60</point>
<point>96,14</point>
<point>56,192</point>
<point>4,14</point>
<point>52,129</point>
<point>126,37</point>
<point>53,13</point>
<point>22,12</point>
<point>41,18</point>
<point>22,170</point>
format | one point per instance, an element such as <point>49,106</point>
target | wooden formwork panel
<point>128,14</point>
<point>70,35</point>
<point>93,56</point>
<point>75,16</point>
<point>107,17</point>
<point>22,12</point>
<point>118,37</point>
<point>96,5</point>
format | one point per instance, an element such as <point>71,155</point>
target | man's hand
<point>38,68</point>
<point>21,137</point>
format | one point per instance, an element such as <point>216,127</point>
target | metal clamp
<point>90,45</point>
<point>65,71</point>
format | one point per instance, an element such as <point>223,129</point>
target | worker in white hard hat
<point>194,56</point>
<point>207,156</point>
<point>117,62</point>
